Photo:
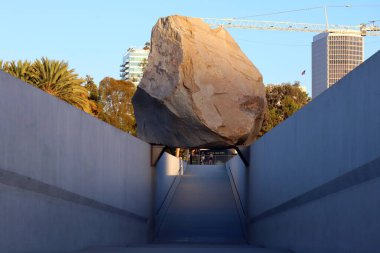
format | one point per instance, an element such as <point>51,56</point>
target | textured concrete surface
<point>302,194</point>
<point>203,208</point>
<point>68,180</point>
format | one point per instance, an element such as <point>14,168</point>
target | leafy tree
<point>115,97</point>
<point>146,46</point>
<point>144,61</point>
<point>283,101</point>
<point>143,64</point>
<point>93,96</point>
<point>93,92</point>
<point>134,79</point>
<point>112,102</point>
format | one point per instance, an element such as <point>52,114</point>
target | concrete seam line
<point>238,202</point>
<point>167,202</point>
<point>26,183</point>
<point>168,192</point>
<point>357,176</point>
<point>230,175</point>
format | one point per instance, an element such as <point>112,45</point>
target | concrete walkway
<point>202,218</point>
<point>203,209</point>
<point>184,249</point>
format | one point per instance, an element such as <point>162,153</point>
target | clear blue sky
<point>93,35</point>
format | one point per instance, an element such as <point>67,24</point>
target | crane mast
<point>336,60</point>
<point>363,29</point>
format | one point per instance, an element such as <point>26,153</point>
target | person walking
<point>203,159</point>
<point>211,159</point>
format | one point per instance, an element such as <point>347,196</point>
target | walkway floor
<point>203,209</point>
<point>202,218</point>
<point>185,249</point>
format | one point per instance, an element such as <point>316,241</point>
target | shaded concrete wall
<point>67,180</point>
<point>239,174</point>
<point>169,170</point>
<point>314,179</point>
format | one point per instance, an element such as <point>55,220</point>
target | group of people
<point>210,160</point>
<point>201,157</point>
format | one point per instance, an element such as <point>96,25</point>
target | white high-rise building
<point>134,62</point>
<point>334,55</point>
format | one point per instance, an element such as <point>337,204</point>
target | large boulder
<point>198,88</point>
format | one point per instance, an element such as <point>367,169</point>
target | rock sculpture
<point>198,88</point>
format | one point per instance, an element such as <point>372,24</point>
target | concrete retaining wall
<point>67,180</point>
<point>239,173</point>
<point>314,179</point>
<point>169,170</point>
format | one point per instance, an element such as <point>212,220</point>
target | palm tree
<point>19,69</point>
<point>55,78</point>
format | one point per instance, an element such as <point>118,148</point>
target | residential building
<point>134,63</point>
<point>334,55</point>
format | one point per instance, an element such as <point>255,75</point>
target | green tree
<point>93,96</point>
<point>115,97</point>
<point>19,69</point>
<point>282,102</point>
<point>147,46</point>
<point>143,64</point>
<point>55,78</point>
<point>93,92</point>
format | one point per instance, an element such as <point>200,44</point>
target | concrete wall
<point>314,179</point>
<point>169,170</point>
<point>67,180</point>
<point>238,174</point>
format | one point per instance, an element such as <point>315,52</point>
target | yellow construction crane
<point>363,29</point>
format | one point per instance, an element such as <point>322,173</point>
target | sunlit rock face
<point>198,89</point>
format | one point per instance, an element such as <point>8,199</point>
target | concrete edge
<point>239,205</point>
<point>29,184</point>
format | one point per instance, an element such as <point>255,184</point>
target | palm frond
<point>56,78</point>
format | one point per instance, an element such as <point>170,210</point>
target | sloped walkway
<point>185,249</point>
<point>203,209</point>
<point>202,218</point>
